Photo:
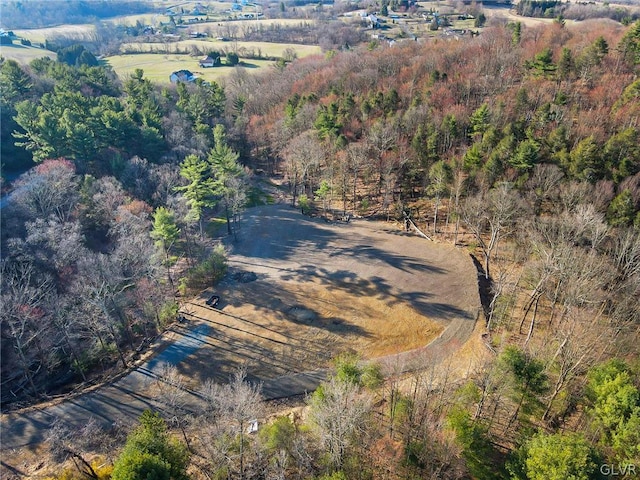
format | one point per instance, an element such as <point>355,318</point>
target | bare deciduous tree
<point>23,315</point>
<point>65,442</point>
<point>102,282</point>
<point>491,217</point>
<point>383,136</point>
<point>589,224</point>
<point>303,156</point>
<point>339,411</point>
<point>173,397</point>
<point>543,184</point>
<point>572,194</point>
<point>48,189</point>
<point>55,242</point>
<point>134,250</point>
<point>578,341</point>
<point>625,253</point>
<point>357,154</point>
<point>229,410</point>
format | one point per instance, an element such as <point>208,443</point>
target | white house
<point>209,61</point>
<point>182,76</point>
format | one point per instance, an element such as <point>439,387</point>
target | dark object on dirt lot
<point>213,300</point>
<point>302,315</point>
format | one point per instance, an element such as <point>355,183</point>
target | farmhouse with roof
<point>182,76</point>
<point>210,61</point>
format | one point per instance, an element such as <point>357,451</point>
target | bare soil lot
<point>301,291</point>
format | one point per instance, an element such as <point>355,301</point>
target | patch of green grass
<point>158,67</point>
<point>466,24</point>
<point>264,22</point>
<point>23,54</point>
<point>189,6</point>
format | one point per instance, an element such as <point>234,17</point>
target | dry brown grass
<point>370,326</point>
<point>288,326</point>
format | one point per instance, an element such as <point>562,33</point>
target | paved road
<point>271,236</point>
<point>126,398</point>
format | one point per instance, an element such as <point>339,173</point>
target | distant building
<point>182,76</point>
<point>210,61</point>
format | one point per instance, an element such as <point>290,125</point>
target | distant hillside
<point>36,14</point>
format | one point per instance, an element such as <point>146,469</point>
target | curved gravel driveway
<point>278,243</point>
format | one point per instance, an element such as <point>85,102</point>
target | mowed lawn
<point>23,54</point>
<point>158,67</point>
<point>39,35</point>
<point>266,48</point>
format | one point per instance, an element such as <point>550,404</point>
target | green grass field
<point>266,48</point>
<point>39,35</point>
<point>158,67</point>
<point>263,21</point>
<point>144,18</point>
<point>24,55</point>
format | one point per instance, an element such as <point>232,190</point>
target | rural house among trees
<point>184,76</point>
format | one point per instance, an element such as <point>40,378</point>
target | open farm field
<point>23,54</point>
<point>264,22</point>
<point>39,35</point>
<point>265,48</point>
<point>158,67</point>
<point>189,6</point>
<point>144,18</point>
<point>505,12</point>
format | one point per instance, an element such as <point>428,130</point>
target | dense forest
<point>76,228</point>
<point>521,145</point>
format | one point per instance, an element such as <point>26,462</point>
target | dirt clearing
<point>301,291</point>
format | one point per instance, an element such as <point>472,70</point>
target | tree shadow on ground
<point>279,232</point>
<point>375,287</point>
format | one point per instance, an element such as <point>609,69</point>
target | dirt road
<point>316,289</point>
